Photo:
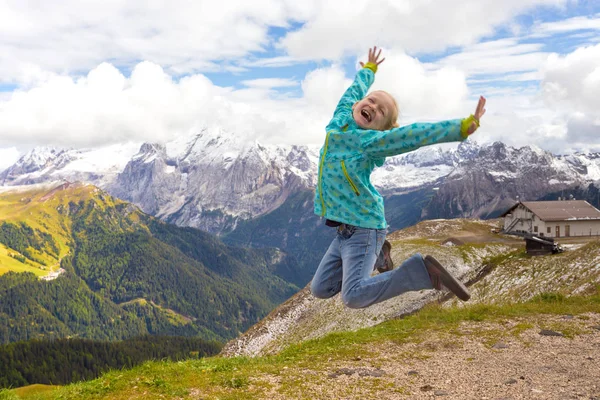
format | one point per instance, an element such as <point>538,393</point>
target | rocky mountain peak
<point>212,178</point>
<point>37,160</point>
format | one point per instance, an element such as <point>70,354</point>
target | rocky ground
<point>548,357</point>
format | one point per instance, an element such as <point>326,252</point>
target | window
<point>549,230</point>
<point>535,228</point>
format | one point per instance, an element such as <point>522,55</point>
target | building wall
<point>576,228</point>
<point>528,221</point>
<point>525,220</point>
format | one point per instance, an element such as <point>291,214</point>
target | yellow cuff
<point>466,124</point>
<point>371,66</point>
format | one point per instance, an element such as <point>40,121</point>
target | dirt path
<point>510,360</point>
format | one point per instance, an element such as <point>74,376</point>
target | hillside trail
<point>553,357</point>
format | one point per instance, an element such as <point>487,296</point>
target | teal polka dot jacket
<point>344,192</point>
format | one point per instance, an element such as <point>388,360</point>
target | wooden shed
<point>537,246</point>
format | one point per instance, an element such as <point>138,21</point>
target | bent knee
<point>352,301</point>
<point>320,291</point>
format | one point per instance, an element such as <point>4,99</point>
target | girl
<point>361,134</point>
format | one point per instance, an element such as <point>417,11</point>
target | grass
<point>301,366</point>
<point>36,389</point>
<point>8,263</point>
<point>48,214</point>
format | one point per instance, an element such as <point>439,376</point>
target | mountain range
<point>261,195</point>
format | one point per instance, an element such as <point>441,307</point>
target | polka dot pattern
<point>344,192</point>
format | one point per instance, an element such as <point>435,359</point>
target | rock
<point>500,345</point>
<point>510,382</point>
<point>426,388</point>
<point>361,372</point>
<point>376,373</point>
<point>597,327</point>
<point>413,372</point>
<point>440,393</point>
<point>547,332</point>
<point>341,371</point>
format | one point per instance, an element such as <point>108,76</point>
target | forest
<point>128,274</point>
<point>63,361</point>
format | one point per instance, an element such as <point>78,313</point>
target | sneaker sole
<point>453,284</point>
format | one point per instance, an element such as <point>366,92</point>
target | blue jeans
<point>348,263</point>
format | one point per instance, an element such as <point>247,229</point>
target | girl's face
<point>376,111</point>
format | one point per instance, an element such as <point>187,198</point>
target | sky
<point>88,74</point>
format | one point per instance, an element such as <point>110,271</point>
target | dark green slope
<point>65,307</point>
<point>206,282</point>
<point>294,227</point>
<point>129,274</point>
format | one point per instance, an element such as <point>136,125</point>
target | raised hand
<point>374,57</point>
<point>479,111</point>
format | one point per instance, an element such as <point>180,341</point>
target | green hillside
<point>524,311</point>
<point>125,273</point>
<point>358,365</point>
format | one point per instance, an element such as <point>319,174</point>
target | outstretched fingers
<point>374,56</point>
<point>480,110</point>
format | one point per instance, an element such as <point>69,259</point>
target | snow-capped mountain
<point>43,164</point>
<point>212,180</point>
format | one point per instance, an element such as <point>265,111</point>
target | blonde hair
<point>393,116</point>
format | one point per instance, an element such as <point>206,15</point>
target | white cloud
<point>422,93</point>
<point>271,62</point>
<point>8,156</point>
<point>570,88</point>
<point>70,95</point>
<point>573,81</point>
<point>414,26</point>
<point>269,83</point>
<point>72,36</point>
<point>186,37</point>
<point>107,107</point>
<point>504,56</point>
<point>584,131</point>
<point>567,25</point>
<point>323,88</point>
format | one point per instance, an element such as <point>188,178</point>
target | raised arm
<point>379,144</point>
<point>362,82</point>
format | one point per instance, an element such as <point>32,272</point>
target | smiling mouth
<point>366,115</point>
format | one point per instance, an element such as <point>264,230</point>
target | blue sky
<point>273,70</point>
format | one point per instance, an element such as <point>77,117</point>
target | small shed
<point>537,246</point>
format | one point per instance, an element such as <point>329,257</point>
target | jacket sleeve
<point>378,144</point>
<point>356,92</point>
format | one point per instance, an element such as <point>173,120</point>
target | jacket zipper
<point>354,188</point>
<point>321,174</point>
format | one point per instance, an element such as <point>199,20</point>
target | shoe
<point>440,276</point>
<point>384,260</point>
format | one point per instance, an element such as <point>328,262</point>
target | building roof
<point>565,210</point>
